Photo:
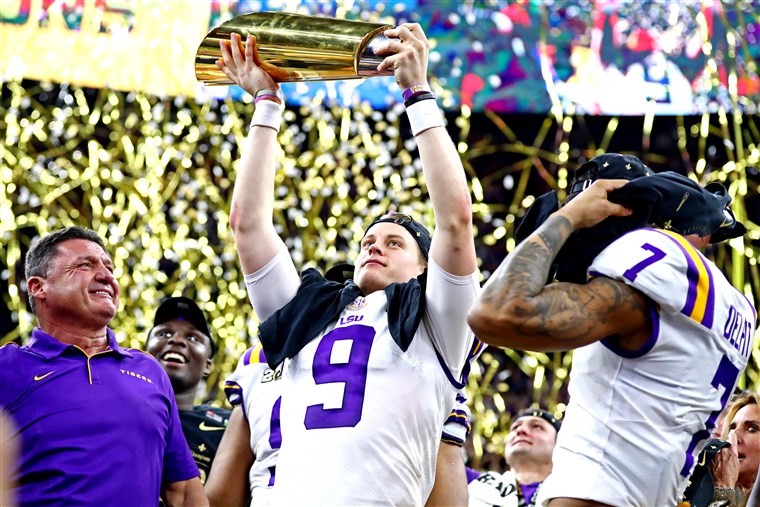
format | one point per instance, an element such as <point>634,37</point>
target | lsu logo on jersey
<point>351,319</point>
<point>357,304</point>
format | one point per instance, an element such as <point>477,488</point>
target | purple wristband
<point>268,96</point>
<point>415,89</point>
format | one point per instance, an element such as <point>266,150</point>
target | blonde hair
<point>737,403</point>
<point>740,401</point>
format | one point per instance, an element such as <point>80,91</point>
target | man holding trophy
<point>371,366</point>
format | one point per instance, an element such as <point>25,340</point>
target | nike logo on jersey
<point>202,426</point>
<point>40,377</point>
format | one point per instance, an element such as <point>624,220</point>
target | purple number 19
<point>352,373</point>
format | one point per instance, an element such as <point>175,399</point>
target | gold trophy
<point>294,47</point>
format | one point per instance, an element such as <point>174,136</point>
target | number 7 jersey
<point>637,419</point>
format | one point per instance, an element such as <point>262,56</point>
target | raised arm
<point>452,247</point>
<point>256,240</point>
<point>516,309</point>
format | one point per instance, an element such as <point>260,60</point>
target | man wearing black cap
<point>528,452</point>
<point>661,336</point>
<point>370,367</point>
<point>181,342</point>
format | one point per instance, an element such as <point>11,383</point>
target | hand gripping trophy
<point>294,47</point>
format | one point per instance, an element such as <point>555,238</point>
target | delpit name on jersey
<point>738,331</point>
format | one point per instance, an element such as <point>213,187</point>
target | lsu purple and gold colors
<point>358,411</point>
<point>370,367</point>
<point>70,410</point>
<point>256,388</point>
<point>654,407</point>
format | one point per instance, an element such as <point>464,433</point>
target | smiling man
<point>97,423</point>
<point>528,453</point>
<point>181,342</point>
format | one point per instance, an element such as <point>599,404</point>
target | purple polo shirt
<point>97,431</point>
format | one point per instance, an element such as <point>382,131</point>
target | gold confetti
<point>154,176</point>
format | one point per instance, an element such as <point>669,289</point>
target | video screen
<point>594,57</point>
<point>606,57</point>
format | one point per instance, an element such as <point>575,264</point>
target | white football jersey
<point>493,489</point>
<point>256,387</point>
<point>637,420</point>
<point>361,418</point>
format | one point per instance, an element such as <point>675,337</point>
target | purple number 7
<point>657,254</point>
<point>352,373</point>
<point>725,376</point>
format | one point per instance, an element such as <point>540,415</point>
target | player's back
<point>637,419</point>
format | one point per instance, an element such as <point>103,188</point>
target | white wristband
<point>268,113</point>
<point>424,115</point>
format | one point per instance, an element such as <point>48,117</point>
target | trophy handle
<point>368,59</point>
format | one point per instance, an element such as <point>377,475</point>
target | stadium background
<point>104,125</point>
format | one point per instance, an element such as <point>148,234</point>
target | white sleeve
<point>662,265</point>
<point>273,286</point>
<point>240,383</point>
<point>448,299</point>
<point>457,426</point>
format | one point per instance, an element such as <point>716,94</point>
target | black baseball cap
<point>687,207</point>
<point>674,201</point>
<point>543,414</point>
<point>701,487</point>
<point>182,308</point>
<point>610,166</point>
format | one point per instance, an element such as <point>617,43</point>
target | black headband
<point>418,231</point>
<point>543,414</point>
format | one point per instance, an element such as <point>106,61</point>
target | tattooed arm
<point>517,310</point>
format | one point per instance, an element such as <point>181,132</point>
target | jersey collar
<point>49,347</point>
